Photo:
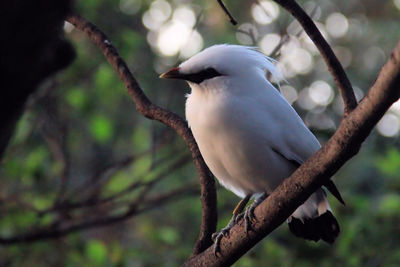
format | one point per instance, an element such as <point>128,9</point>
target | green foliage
<point>104,78</point>
<point>389,164</point>
<point>76,97</point>
<point>168,235</point>
<point>141,139</point>
<point>96,252</point>
<point>95,121</point>
<point>390,205</point>
<point>118,183</point>
<point>101,128</point>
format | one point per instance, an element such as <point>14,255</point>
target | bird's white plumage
<point>249,135</point>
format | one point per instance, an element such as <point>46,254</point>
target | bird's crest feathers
<point>229,59</point>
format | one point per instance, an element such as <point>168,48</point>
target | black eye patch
<point>202,75</point>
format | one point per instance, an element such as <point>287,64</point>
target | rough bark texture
<point>32,48</point>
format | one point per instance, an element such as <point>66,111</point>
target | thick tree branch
<point>293,191</point>
<point>154,112</point>
<point>334,66</point>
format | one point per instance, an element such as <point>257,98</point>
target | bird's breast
<point>235,140</point>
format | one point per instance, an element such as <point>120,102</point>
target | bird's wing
<point>329,185</point>
<point>297,143</point>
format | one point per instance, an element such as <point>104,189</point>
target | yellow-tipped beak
<point>172,74</point>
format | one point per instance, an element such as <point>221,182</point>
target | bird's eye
<point>203,75</point>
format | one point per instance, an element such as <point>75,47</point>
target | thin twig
<point>154,201</point>
<point>334,66</point>
<point>56,230</point>
<point>154,112</point>
<point>249,33</point>
<point>228,14</point>
<point>91,202</point>
<point>286,37</point>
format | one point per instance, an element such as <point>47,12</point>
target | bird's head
<point>223,61</point>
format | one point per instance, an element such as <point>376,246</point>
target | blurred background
<point>87,181</point>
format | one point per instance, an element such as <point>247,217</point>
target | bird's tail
<point>314,219</point>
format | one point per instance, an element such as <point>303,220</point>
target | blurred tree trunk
<point>32,49</point>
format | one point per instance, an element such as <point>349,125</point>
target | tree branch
<point>293,191</point>
<point>228,14</point>
<point>334,66</point>
<point>154,112</point>
<point>90,201</point>
<point>55,231</point>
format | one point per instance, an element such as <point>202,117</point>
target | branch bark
<point>334,66</point>
<point>228,14</point>
<point>293,191</point>
<point>154,112</point>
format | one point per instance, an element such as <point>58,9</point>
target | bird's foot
<point>248,214</point>
<point>216,237</point>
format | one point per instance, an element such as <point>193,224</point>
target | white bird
<point>249,135</point>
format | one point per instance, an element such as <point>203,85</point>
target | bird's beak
<point>172,74</point>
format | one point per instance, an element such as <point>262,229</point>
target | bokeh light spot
<point>321,93</point>
<point>265,12</point>
<point>193,45</point>
<point>185,15</point>
<point>304,100</point>
<point>130,7</point>
<point>68,27</point>
<point>396,107</point>
<point>337,25</point>
<point>247,34</point>
<point>300,60</point>
<point>397,4</point>
<point>289,93</point>
<point>269,42</point>
<point>389,125</point>
<point>172,37</point>
<point>150,23</point>
<point>160,10</point>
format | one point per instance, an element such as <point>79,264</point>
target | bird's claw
<point>216,237</point>
<point>223,232</point>
<point>249,217</point>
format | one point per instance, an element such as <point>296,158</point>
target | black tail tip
<point>324,227</point>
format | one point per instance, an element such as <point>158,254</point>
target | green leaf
<point>141,138</point>
<point>168,235</point>
<point>42,203</point>
<point>96,252</point>
<point>104,79</point>
<point>390,163</point>
<point>141,166</point>
<point>76,97</point>
<point>119,182</point>
<point>101,128</point>
<point>390,204</point>
<point>35,159</point>
<point>23,129</point>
